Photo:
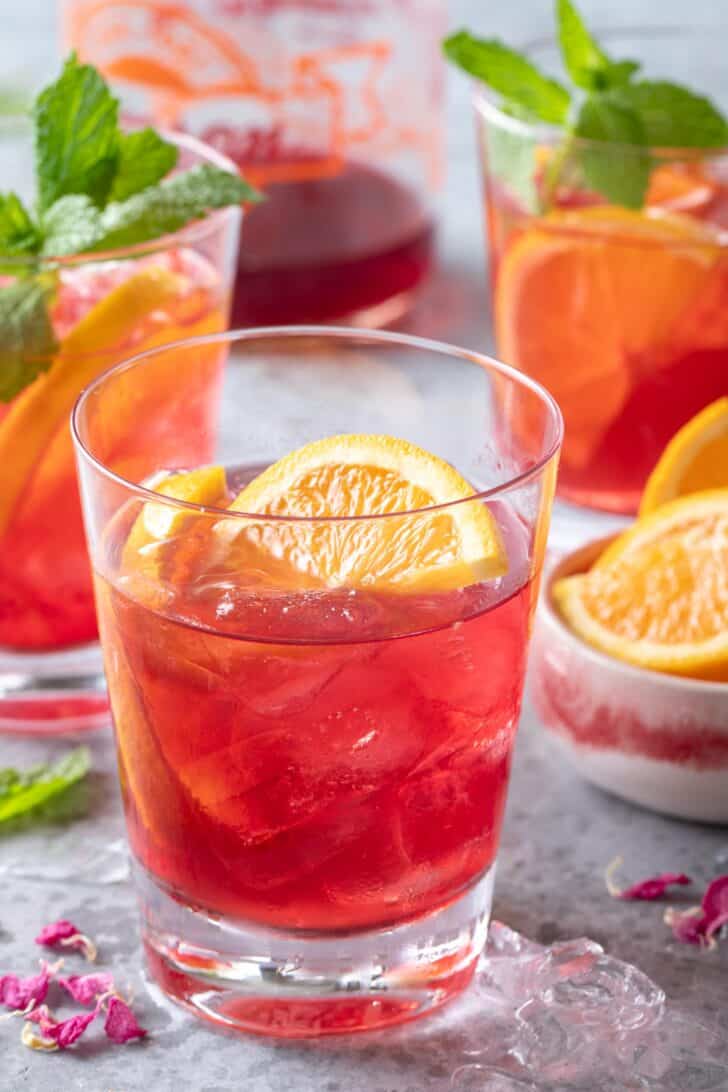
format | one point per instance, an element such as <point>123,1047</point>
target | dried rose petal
<point>17,993</point>
<point>121,1023</point>
<point>715,905</point>
<point>85,989</point>
<point>652,888</point>
<point>700,924</point>
<point>63,1033</point>
<point>53,934</point>
<point>66,934</point>
<point>687,925</point>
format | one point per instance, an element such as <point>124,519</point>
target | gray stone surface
<point>559,833</point>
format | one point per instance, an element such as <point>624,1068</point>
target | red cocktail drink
<point>345,755</point>
<point>315,665</point>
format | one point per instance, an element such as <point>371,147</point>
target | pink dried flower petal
<point>85,989</point>
<point>17,993</point>
<point>61,1032</point>
<point>53,934</point>
<point>652,888</point>
<point>715,899</point>
<point>700,924</point>
<point>121,1023</point>
<point>66,934</point>
<point>687,925</point>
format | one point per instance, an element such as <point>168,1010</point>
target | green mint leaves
<point>510,74</point>
<point>76,136</point>
<point>164,208</point>
<point>27,341</point>
<point>97,188</point>
<point>611,118</point>
<point>46,793</point>
<point>144,158</point>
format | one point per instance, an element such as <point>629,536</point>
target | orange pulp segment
<point>658,595</point>
<point>695,459</point>
<point>581,293</point>
<point>358,475</point>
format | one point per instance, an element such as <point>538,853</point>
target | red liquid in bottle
<point>331,247</point>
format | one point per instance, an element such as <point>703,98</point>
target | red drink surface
<point>326,760</point>
<point>628,332</point>
<point>46,592</point>
<point>330,247</point>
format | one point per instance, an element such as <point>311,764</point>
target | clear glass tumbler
<point>314,773</point>
<point>334,110</point>
<point>621,312</point>
<point>102,308</point>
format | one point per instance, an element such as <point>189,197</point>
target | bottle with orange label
<point>333,109</point>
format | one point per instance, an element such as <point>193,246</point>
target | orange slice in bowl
<point>695,459</point>
<point>581,293</point>
<point>658,595</point>
<point>369,475</point>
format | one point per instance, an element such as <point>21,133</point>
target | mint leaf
<point>510,74</point>
<point>620,174</point>
<point>76,137</point>
<point>43,793</point>
<point>673,117</point>
<point>27,341</point>
<point>584,59</point>
<point>170,205</point>
<point>620,73</point>
<point>70,226</point>
<point>144,159</point>
<point>582,56</point>
<point>18,234</point>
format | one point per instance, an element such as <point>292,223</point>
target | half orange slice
<point>359,475</point>
<point>658,595</point>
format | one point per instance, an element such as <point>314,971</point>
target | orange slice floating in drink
<point>695,459</point>
<point>345,476</point>
<point>658,596</point>
<point>582,293</point>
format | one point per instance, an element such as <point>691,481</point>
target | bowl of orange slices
<point>630,655</point>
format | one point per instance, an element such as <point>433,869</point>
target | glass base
<point>49,693</point>
<point>296,985</point>
<point>573,526</point>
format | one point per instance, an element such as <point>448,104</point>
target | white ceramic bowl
<point>658,740</point>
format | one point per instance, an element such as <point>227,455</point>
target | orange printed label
<point>227,77</point>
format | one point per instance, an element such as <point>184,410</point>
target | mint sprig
<point>610,118</point>
<point>97,188</point>
<point>27,341</point>
<point>45,793</point>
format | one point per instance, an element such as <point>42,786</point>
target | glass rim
<point>195,232</point>
<point>486,102</point>
<point>342,333</point>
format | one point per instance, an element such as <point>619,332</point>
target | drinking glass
<point>621,313</point>
<point>334,110</point>
<point>103,308</point>
<point>314,776</point>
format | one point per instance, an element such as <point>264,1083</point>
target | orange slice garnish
<point>658,595</point>
<point>369,475</point>
<point>581,294</point>
<point>695,459</point>
<point>157,530</point>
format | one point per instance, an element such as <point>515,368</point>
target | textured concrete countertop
<point>559,833</point>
